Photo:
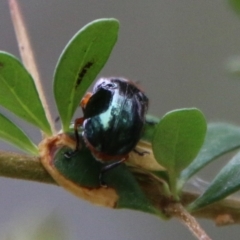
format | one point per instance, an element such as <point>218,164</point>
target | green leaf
<point>225,183</point>
<point>235,4</point>
<point>220,139</point>
<point>19,94</point>
<point>13,134</point>
<point>149,128</point>
<point>177,140</point>
<point>80,63</point>
<point>82,169</point>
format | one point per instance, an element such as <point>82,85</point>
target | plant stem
<point>27,55</point>
<point>173,185</point>
<point>25,167</point>
<point>177,210</point>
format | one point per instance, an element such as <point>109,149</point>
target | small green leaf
<point>19,94</point>
<point>84,170</point>
<point>13,134</point>
<point>80,63</point>
<point>177,140</point>
<point>225,183</point>
<point>149,128</point>
<point>235,5</point>
<point>220,139</point>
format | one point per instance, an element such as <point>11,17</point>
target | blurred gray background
<point>178,50</point>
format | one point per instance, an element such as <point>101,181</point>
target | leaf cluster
<point>179,144</point>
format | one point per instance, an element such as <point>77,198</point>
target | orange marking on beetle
<point>85,99</point>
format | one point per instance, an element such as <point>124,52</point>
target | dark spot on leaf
<point>1,65</point>
<point>83,72</point>
<point>57,119</point>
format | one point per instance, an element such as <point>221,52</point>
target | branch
<point>25,167</point>
<point>177,210</point>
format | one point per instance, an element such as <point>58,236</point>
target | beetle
<point>113,120</point>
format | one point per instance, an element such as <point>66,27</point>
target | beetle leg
<point>78,122</point>
<point>107,168</point>
<point>85,99</point>
<point>140,153</point>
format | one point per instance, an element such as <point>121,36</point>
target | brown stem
<point>27,55</point>
<point>24,167</point>
<point>225,212</point>
<point>178,211</point>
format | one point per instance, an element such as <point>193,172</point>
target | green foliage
<point>19,94</point>
<point>177,140</point>
<point>149,128</point>
<point>13,134</point>
<point>86,172</point>
<point>220,139</point>
<point>235,4</point>
<point>80,63</point>
<point>224,184</point>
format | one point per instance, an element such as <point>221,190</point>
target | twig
<point>27,55</point>
<point>177,210</point>
<point>24,167</point>
<point>225,212</point>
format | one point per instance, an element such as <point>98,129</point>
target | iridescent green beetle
<point>113,120</point>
